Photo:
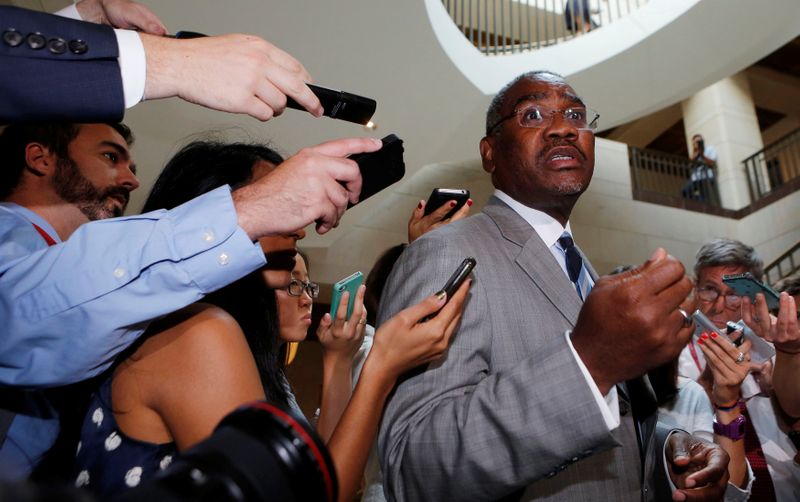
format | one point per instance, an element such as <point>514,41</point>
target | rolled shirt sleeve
<point>70,308</point>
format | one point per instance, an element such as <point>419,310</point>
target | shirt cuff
<point>219,248</point>
<point>70,12</point>
<point>132,66</point>
<point>608,404</point>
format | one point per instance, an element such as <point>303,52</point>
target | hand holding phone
<point>340,105</point>
<point>760,350</point>
<point>454,282</point>
<point>441,195</point>
<point>350,285</point>
<point>380,169</point>
<point>747,285</point>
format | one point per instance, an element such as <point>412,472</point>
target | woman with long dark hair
<point>197,365</point>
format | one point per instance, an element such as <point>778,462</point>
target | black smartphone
<point>340,105</point>
<point>455,281</point>
<point>747,285</point>
<point>382,168</point>
<point>441,195</point>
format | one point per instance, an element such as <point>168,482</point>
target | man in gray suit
<point>527,402</point>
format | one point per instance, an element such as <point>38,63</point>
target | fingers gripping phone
<point>455,281</point>
<point>349,284</point>
<point>747,285</point>
<point>340,105</point>
<point>441,195</point>
<point>380,169</point>
<point>760,350</point>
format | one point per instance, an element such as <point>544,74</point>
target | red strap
<point>694,355</point>
<point>49,240</point>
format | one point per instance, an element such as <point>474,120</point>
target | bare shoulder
<point>189,328</point>
<point>190,345</point>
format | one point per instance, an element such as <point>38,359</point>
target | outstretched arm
<point>401,343</point>
<point>340,340</point>
<point>784,332</point>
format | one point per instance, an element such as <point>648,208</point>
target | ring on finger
<point>687,321</point>
<point>740,358</point>
<point>362,321</point>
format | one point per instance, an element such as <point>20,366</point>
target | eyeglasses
<point>295,288</point>
<point>581,118</point>
<point>732,301</point>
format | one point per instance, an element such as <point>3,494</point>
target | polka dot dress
<point>109,462</point>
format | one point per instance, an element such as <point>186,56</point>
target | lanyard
<point>49,240</point>
<point>694,355</point>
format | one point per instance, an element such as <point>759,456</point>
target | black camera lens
<point>259,452</point>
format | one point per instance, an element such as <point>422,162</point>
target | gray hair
<point>723,252</point>
<point>493,113</point>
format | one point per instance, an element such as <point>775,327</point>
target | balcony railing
<point>508,26</point>
<point>773,167</point>
<point>783,266</point>
<point>672,180</point>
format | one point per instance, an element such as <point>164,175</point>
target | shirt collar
<point>547,227</point>
<point>27,214</point>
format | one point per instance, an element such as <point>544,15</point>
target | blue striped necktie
<point>575,269</point>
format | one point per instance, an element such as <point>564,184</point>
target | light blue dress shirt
<point>67,310</point>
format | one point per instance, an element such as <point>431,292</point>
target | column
<point>724,114</point>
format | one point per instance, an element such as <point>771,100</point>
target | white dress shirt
<point>549,230</point>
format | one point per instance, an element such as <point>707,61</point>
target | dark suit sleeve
<point>74,75</point>
<point>660,485</point>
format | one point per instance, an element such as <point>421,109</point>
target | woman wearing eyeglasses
<point>193,367</point>
<point>340,339</point>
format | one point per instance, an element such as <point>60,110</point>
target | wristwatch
<point>733,431</point>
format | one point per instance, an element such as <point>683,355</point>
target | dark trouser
<point>703,190</point>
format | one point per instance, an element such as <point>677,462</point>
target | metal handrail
<point>672,178</point>
<point>509,26</point>
<point>783,266</point>
<point>774,166</point>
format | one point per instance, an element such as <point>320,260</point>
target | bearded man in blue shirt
<point>78,286</point>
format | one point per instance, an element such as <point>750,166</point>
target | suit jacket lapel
<point>535,259</point>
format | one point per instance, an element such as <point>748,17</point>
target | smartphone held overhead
<point>382,168</point>
<point>341,105</point>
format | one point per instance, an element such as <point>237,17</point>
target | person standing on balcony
<point>702,185</point>
<point>578,16</point>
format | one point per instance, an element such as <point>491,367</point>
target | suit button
<point>78,46</point>
<point>12,38</point>
<point>624,408</point>
<point>35,41</point>
<point>57,46</point>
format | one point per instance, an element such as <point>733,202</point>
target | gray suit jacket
<point>506,412</point>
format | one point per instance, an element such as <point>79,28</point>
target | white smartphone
<point>761,350</point>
